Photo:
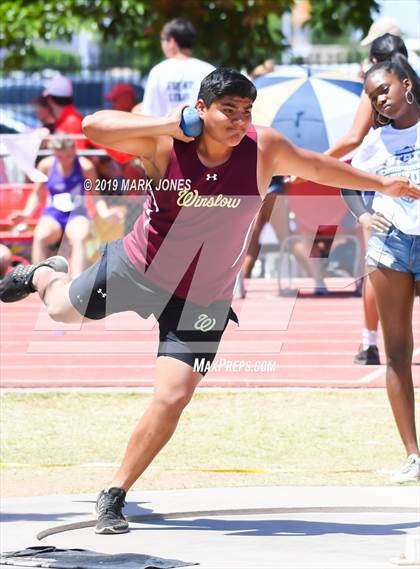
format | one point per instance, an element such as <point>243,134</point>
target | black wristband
<point>354,202</point>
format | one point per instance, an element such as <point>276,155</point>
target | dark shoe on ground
<point>17,284</point>
<point>369,357</point>
<point>321,291</point>
<point>109,507</point>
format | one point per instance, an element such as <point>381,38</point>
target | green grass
<point>290,437</point>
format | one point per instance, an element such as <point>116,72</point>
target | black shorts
<point>187,331</point>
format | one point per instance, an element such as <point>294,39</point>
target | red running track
<point>281,342</point>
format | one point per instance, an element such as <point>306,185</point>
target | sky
<point>406,12</point>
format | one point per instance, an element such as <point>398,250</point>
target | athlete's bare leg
<point>47,232</point>
<point>395,295</point>
<point>301,250</point>
<point>274,211</point>
<point>174,388</point>
<point>369,301</point>
<point>53,289</point>
<point>254,245</point>
<point>77,232</point>
<point>279,217</point>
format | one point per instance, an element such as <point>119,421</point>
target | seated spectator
<point>58,96</point>
<point>122,97</point>
<point>65,212</point>
<point>44,113</point>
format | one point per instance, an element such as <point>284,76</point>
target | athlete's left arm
<point>288,159</point>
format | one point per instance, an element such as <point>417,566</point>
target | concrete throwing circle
<point>147,518</point>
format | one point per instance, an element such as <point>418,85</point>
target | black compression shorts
<point>187,331</point>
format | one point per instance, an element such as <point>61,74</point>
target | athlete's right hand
<point>175,129</point>
<point>399,187</point>
<point>374,221</point>
<point>17,216</point>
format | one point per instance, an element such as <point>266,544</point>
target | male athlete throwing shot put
<point>182,258</point>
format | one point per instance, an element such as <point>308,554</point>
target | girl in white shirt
<point>394,149</point>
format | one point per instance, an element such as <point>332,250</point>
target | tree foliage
<point>333,16</point>
<point>238,33</point>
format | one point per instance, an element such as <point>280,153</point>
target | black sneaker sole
<point>111,530</point>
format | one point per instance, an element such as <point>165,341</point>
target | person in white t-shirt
<point>175,81</point>
<point>394,149</point>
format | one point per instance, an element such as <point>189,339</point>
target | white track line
<point>281,354</point>
<point>113,343</point>
<point>149,389</point>
<point>135,366</point>
<point>139,325</point>
<point>371,376</point>
<point>229,381</point>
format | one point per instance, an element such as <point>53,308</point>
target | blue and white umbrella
<point>313,112</point>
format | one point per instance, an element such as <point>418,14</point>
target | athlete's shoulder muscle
<point>268,141</point>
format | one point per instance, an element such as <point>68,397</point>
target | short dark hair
<point>401,69</point>
<point>182,31</point>
<point>222,82</point>
<point>62,101</point>
<point>384,47</point>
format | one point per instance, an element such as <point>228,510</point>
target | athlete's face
<point>65,155</point>
<point>387,93</point>
<point>228,119</point>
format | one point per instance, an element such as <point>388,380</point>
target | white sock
<point>369,338</point>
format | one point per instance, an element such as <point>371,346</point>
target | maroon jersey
<point>194,231</point>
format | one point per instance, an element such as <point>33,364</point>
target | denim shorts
<point>395,250</point>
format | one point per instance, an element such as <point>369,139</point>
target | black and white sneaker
<point>369,357</point>
<point>17,284</point>
<point>109,507</point>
